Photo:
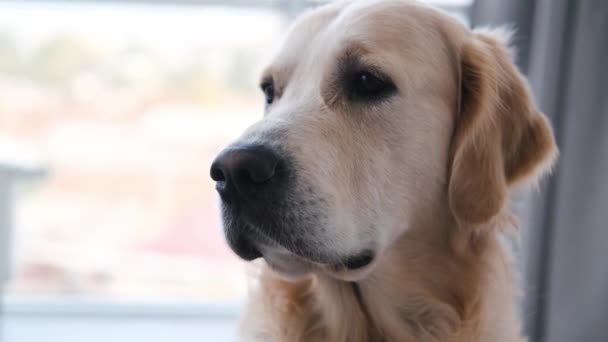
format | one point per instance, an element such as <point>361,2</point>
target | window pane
<point>123,108</point>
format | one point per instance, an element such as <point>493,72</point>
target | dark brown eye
<point>268,89</point>
<point>368,87</point>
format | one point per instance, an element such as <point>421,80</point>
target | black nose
<point>244,169</point>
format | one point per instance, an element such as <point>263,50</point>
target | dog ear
<point>500,138</point>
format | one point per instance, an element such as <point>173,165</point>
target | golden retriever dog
<point>375,190</point>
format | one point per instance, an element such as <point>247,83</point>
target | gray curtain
<point>563,48</point>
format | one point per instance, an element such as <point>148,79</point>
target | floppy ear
<point>500,137</point>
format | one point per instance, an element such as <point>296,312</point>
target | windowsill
<point>99,307</point>
<point>75,319</point>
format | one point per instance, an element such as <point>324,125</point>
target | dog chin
<point>287,265</point>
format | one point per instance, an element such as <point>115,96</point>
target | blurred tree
<point>60,60</point>
<point>135,66</point>
<point>9,58</point>
<point>188,81</point>
<point>239,76</point>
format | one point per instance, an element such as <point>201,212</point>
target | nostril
<point>217,174</point>
<point>257,170</point>
<point>243,176</point>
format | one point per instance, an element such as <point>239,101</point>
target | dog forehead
<point>385,25</point>
<point>326,31</point>
<point>301,37</point>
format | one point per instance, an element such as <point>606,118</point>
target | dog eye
<point>268,89</point>
<point>368,87</point>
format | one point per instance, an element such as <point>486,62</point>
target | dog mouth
<point>287,242</point>
<point>294,265</point>
<point>359,261</point>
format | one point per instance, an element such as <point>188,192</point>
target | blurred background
<point>110,115</point>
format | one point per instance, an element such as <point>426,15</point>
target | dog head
<point>376,113</point>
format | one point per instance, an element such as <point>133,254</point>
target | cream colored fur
<point>424,179</point>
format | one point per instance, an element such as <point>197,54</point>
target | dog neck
<point>425,287</point>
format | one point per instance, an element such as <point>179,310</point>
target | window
<point>110,115</point>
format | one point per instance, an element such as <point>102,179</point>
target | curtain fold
<point>563,48</point>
